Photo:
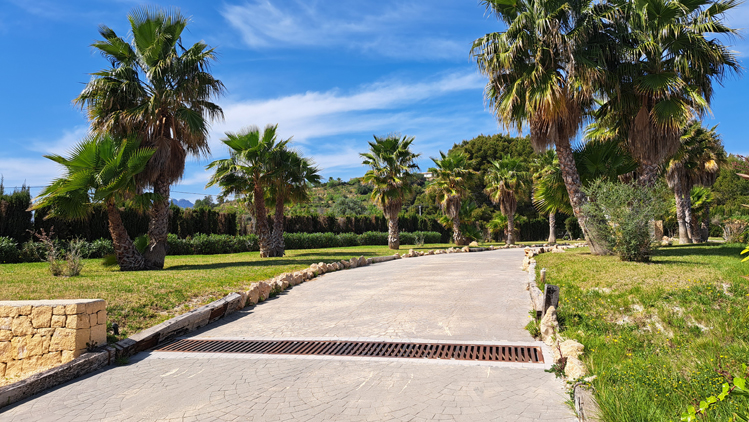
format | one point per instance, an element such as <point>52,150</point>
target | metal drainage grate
<point>476,352</point>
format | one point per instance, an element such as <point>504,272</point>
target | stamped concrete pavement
<point>477,297</point>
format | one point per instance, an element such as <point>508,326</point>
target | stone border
<point>84,364</point>
<point>585,403</point>
<point>194,319</point>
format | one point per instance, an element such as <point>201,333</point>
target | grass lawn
<point>656,335</point>
<point>138,300</point>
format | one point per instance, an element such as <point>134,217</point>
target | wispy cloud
<point>403,30</point>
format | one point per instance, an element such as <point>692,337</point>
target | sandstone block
<point>19,347</point>
<point>315,269</point>
<point>75,308</point>
<point>83,338</point>
<point>99,335</point>
<point>25,310</point>
<point>96,306</point>
<point>58,321</point>
<point>6,335</point>
<point>549,326</point>
<point>574,369</point>
<point>353,262</point>
<point>13,368</point>
<point>22,326</point>
<point>265,289</point>
<point>38,345</point>
<point>67,356</point>
<point>41,316</point>
<point>321,266</point>
<point>5,354</point>
<point>474,244</point>
<point>63,339</point>
<point>253,295</point>
<point>8,311</point>
<point>58,310</point>
<point>30,364</point>
<point>101,317</point>
<point>571,349</point>
<point>78,321</point>
<point>6,323</point>
<point>396,256</point>
<point>51,359</point>
<point>2,370</point>
<point>466,249</point>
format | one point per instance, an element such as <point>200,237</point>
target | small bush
<point>373,238</point>
<point>348,239</point>
<point>97,249</point>
<point>621,213</point>
<point>73,257</point>
<point>9,252</point>
<point>407,238</point>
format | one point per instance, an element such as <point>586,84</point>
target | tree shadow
<point>336,254</point>
<point>219,265</point>
<point>701,249</point>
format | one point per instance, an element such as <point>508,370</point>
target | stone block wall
<point>41,334</point>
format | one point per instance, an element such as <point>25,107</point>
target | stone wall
<point>41,334</point>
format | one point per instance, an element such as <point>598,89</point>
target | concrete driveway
<point>457,298</point>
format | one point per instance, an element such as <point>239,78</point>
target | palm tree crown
<point>506,179</point>
<point>450,177</point>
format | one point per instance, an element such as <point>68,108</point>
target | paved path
<point>477,297</point>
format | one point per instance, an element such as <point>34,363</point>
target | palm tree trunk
<point>552,228</point>
<point>158,227</point>
<point>648,173</point>
<point>510,229</point>
<point>261,220</point>
<point>277,247</point>
<point>394,241</point>
<point>679,196</point>
<point>453,211</point>
<point>128,257</point>
<point>705,227</point>
<point>577,197</point>
<point>688,218</point>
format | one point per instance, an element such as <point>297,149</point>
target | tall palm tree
<point>249,172</point>
<point>391,174</point>
<point>506,179</point>
<point>662,77</point>
<point>541,75</point>
<point>696,163</point>
<point>101,170</point>
<point>292,176</point>
<point>450,176</point>
<point>161,91</point>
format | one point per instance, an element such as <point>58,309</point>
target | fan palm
<point>696,163</point>
<point>506,179</point>
<point>292,176</point>
<point>668,57</point>
<point>450,177</point>
<point>541,75</point>
<point>391,176</point>
<point>549,192</point>
<point>248,172</point>
<point>101,170</point>
<point>161,91</point>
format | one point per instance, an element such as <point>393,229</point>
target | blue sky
<point>330,73</point>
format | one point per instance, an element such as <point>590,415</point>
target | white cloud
<point>390,31</point>
<point>370,109</point>
<point>30,171</point>
<point>63,144</point>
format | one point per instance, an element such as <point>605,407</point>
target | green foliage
<point>573,228</point>
<point>621,214</point>
<point>737,387</point>
<point>348,206</point>
<point>9,252</point>
<point>15,218</point>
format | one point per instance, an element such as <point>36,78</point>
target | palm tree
<point>249,172</point>
<point>549,192</point>
<point>541,75</point>
<point>101,170</point>
<point>668,57</point>
<point>292,176</point>
<point>161,91</point>
<point>506,179</point>
<point>695,163</point>
<point>391,175</point>
<point>449,182</point>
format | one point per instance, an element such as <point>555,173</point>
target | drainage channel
<point>473,352</point>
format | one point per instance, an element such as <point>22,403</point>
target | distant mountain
<point>182,203</point>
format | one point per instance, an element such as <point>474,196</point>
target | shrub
<point>621,213</point>
<point>373,238</point>
<point>348,239</point>
<point>407,238</point>
<point>9,252</point>
<point>99,248</point>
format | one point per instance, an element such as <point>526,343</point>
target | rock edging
<point>566,351</point>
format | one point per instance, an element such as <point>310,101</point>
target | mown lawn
<point>658,336</point>
<point>138,300</point>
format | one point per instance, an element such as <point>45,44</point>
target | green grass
<point>656,335</point>
<point>138,300</point>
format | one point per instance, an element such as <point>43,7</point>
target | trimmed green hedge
<point>203,244</point>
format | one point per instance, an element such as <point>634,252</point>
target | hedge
<point>203,244</point>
